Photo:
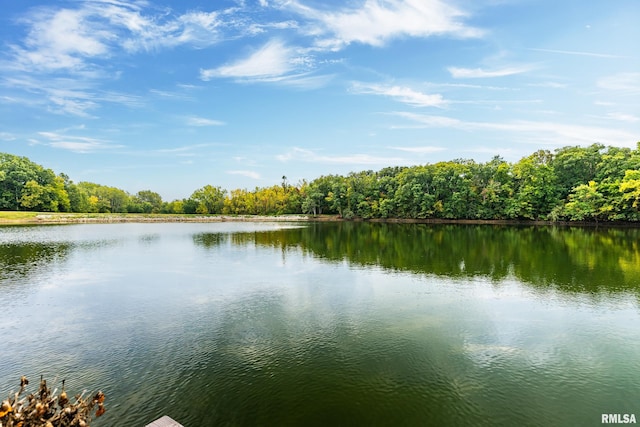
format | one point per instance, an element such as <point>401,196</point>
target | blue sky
<point>173,95</point>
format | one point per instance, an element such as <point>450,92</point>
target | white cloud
<point>248,174</point>
<point>72,39</point>
<point>402,94</point>
<point>559,134</point>
<point>66,95</point>
<point>578,53</point>
<point>552,85</point>
<point>304,155</point>
<point>621,82</point>
<point>478,73</point>
<point>185,150</point>
<point>258,28</point>
<point>274,62</point>
<point>377,21</point>
<point>420,150</point>
<point>74,106</point>
<point>604,103</point>
<point>169,94</point>
<point>76,144</point>
<point>430,120</point>
<point>201,121</point>
<point>193,28</point>
<point>272,59</point>
<point>623,117</point>
<point>501,151</point>
<point>6,136</point>
<point>58,39</point>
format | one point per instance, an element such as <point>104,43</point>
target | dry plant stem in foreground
<point>46,409</point>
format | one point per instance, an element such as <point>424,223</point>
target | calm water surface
<point>244,324</point>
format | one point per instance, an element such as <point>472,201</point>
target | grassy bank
<point>17,216</point>
<point>21,217</point>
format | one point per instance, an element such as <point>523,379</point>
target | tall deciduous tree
<point>585,203</point>
<point>630,189</point>
<point>209,199</point>
<point>536,193</point>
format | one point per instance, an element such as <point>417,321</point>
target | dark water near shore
<point>244,324</point>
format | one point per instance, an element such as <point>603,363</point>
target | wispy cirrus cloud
<point>375,22</point>
<point>184,150</point>
<point>621,82</point>
<point>559,134</point>
<point>492,150</point>
<point>550,85</point>
<point>421,149</point>
<point>77,144</point>
<point>402,94</point>
<point>248,174</point>
<point>6,136</point>
<point>72,39</point>
<point>305,155</point>
<point>202,121</point>
<point>66,95</point>
<point>623,117</point>
<point>166,94</point>
<point>259,28</point>
<point>578,53</point>
<point>480,73</point>
<point>271,60</point>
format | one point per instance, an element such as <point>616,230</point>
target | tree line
<point>594,183</point>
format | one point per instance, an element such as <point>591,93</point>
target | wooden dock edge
<point>164,422</point>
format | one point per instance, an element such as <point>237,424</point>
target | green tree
<point>27,185</point>
<point>413,197</point>
<point>208,200</point>
<point>101,198</point>
<point>536,193</point>
<point>313,199</point>
<point>145,201</point>
<point>630,189</point>
<point>337,197</point>
<point>318,191</point>
<point>574,166</point>
<point>173,207</point>
<point>585,202</point>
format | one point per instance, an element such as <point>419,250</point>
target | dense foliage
<point>594,183</point>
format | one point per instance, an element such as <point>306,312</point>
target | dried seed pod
<point>62,399</point>
<point>99,397</point>
<point>23,381</point>
<point>5,408</point>
<point>40,409</point>
<point>100,410</point>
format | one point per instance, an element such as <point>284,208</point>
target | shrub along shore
<point>46,218</point>
<point>12,217</point>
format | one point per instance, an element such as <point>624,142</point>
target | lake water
<point>273,324</point>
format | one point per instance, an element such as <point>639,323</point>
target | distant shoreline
<point>61,218</point>
<point>31,218</point>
